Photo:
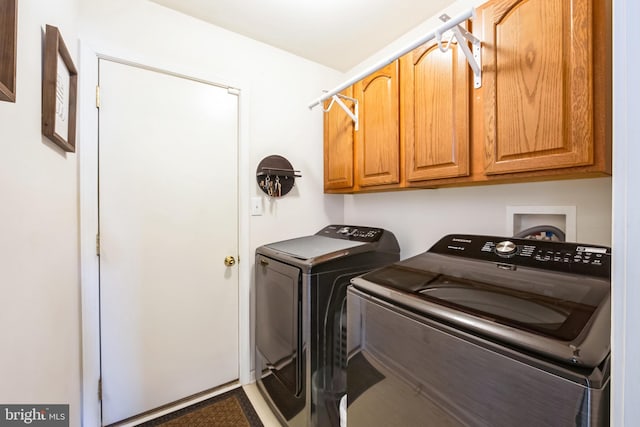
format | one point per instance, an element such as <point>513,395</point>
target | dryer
<point>300,354</point>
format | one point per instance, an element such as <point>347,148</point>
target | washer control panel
<point>558,256</point>
<point>352,232</point>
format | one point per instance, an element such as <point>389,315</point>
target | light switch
<point>256,206</point>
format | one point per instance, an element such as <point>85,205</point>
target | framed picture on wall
<point>59,91</point>
<point>8,38</point>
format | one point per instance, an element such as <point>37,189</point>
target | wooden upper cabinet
<point>537,79</point>
<point>543,110</point>
<point>338,145</point>
<point>377,140</point>
<point>434,91</point>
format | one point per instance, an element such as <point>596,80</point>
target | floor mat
<point>231,409</point>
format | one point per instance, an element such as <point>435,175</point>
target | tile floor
<point>261,407</point>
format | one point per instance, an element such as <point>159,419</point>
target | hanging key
<point>267,186</point>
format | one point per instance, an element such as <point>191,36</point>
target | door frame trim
<point>88,206</point>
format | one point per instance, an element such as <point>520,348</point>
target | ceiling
<point>337,33</point>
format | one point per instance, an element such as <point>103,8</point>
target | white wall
<point>420,217</point>
<point>39,284</point>
<point>626,206</point>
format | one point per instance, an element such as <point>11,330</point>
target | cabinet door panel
<point>377,140</point>
<point>338,146</point>
<point>435,113</point>
<point>537,84</point>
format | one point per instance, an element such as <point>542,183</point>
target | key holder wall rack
<point>276,176</point>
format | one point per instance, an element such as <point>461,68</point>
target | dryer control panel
<point>351,232</point>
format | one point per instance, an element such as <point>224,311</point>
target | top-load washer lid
<point>309,247</point>
<point>549,297</point>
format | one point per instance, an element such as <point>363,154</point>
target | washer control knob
<point>506,248</point>
<point>344,230</point>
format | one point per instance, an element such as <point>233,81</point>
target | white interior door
<point>168,218</point>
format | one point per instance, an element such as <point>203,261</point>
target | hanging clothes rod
<point>453,22</point>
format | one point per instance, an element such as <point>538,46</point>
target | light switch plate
<point>256,206</point>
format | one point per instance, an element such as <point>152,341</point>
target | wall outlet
<point>256,206</point>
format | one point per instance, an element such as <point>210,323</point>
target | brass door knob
<point>229,261</point>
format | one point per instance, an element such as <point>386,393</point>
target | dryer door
<point>279,321</point>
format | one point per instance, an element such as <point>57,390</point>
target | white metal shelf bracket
<point>463,36</point>
<point>354,115</point>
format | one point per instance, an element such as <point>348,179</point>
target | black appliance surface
<point>490,330</point>
<point>301,317</point>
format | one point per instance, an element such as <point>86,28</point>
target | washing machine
<point>483,331</point>
<point>300,352</point>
